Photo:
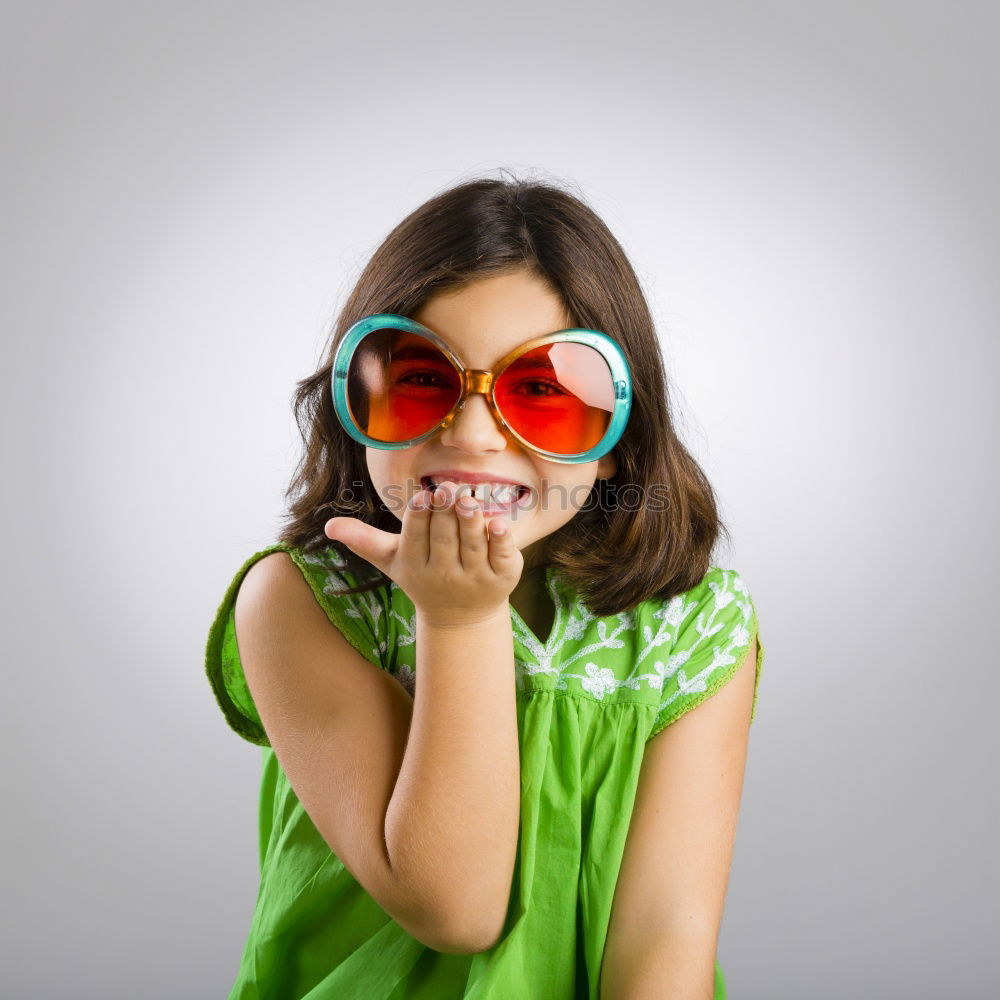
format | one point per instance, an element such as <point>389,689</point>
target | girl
<point>502,693</point>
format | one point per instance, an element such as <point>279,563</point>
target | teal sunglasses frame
<point>477,380</point>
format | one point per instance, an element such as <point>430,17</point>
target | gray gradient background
<point>809,195</point>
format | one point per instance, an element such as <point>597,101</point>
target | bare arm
<point>671,888</point>
<point>452,820</point>
<point>340,728</point>
<point>666,964</point>
<point>451,826</point>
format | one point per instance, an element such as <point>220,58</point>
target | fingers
<point>503,551</point>
<point>443,530</point>
<point>484,541</point>
<point>371,543</point>
<point>474,547</point>
<point>415,533</point>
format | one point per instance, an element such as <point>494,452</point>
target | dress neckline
<point>551,588</point>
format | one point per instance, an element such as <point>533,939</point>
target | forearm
<point>451,824</point>
<point>677,965</point>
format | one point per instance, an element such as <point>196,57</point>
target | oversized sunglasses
<point>565,396</point>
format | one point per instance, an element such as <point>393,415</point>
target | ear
<point>607,465</point>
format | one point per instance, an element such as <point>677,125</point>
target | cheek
<point>563,499</point>
<point>581,495</point>
<point>391,477</point>
<point>379,479</point>
<point>380,470</point>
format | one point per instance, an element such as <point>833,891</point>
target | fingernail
<point>466,507</point>
<point>499,528</point>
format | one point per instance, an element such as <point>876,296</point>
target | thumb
<point>372,544</point>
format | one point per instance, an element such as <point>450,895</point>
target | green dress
<point>588,700</point>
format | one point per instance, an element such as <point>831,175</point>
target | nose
<point>475,428</point>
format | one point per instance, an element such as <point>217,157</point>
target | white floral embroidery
<point>328,557</point>
<point>674,612</point>
<point>407,677</point>
<point>369,602</point>
<point>599,680</point>
<point>662,673</point>
<point>544,653</point>
<point>577,625</point>
<point>625,621</point>
<point>578,618</point>
<point>571,622</point>
<point>722,656</point>
<point>353,605</point>
<point>671,616</point>
<point>740,637</point>
<point>409,634</point>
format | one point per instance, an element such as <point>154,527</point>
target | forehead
<point>488,318</point>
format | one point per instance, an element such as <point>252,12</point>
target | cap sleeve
<point>714,625</point>
<point>359,617</point>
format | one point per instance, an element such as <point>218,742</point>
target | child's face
<point>482,323</point>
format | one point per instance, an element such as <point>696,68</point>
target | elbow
<point>473,921</point>
<point>465,935</point>
<point>458,922</point>
<point>446,929</point>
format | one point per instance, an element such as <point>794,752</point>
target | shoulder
<point>709,631</point>
<point>280,594</point>
<point>275,570</point>
<point>718,605</point>
<point>294,572</point>
<point>285,596</point>
<point>275,577</point>
<point>719,585</point>
<point>274,602</point>
<point>291,580</point>
<point>273,591</point>
<point>307,583</point>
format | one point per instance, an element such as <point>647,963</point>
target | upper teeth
<point>498,492</point>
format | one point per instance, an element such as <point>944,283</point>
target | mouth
<point>493,498</point>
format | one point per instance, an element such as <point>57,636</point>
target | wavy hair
<point>614,554</point>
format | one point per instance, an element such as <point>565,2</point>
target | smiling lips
<point>493,496</point>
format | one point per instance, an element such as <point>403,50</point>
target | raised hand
<point>454,570</point>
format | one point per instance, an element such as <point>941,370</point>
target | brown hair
<point>615,556</point>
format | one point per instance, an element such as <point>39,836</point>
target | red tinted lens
<point>400,385</point>
<point>558,397</point>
